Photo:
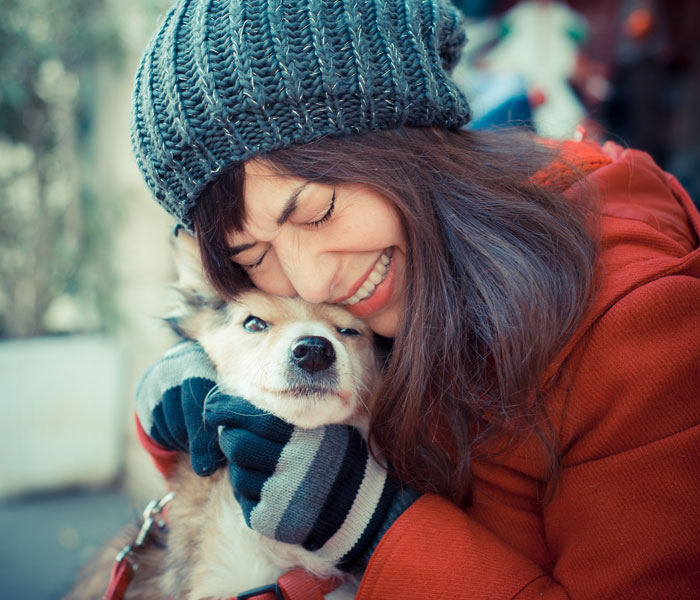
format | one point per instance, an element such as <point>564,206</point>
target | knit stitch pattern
<point>223,81</point>
<point>170,405</point>
<point>320,488</point>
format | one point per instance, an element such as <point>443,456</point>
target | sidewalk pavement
<point>44,540</point>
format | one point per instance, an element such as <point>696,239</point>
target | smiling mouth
<point>381,268</point>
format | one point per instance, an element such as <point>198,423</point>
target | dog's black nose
<point>313,353</point>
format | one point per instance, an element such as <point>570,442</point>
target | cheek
<point>272,281</point>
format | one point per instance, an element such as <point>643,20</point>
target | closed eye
<point>256,263</point>
<point>326,216</point>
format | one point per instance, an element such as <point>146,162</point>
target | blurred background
<point>84,261</point>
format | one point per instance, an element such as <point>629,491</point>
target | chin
<point>385,325</point>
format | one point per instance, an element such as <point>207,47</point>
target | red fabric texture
<point>165,460</point>
<point>624,520</point>
<point>298,584</point>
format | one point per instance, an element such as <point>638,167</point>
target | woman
<point>540,400</point>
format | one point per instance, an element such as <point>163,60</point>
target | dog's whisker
<point>262,414</point>
<point>216,389</point>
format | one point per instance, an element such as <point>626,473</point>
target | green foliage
<point>55,265</point>
<point>35,32</point>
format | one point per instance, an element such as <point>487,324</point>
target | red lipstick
<point>380,297</point>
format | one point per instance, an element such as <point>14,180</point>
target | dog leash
<point>124,564</point>
<point>296,584</point>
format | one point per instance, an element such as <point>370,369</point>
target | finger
<point>235,412</point>
<point>249,451</point>
<point>205,464</point>
<point>170,421</point>
<point>247,483</point>
<point>205,453</point>
<point>160,434</point>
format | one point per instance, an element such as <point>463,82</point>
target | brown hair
<point>499,274</point>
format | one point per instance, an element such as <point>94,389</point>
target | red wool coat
<point>624,520</point>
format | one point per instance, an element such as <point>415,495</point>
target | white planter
<point>61,413</point>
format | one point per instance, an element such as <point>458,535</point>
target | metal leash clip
<point>151,514</point>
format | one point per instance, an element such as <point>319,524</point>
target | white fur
<point>254,365</point>
<point>235,558</point>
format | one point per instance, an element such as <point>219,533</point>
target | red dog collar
<point>296,584</point>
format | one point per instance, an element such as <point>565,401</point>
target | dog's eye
<point>255,324</point>
<point>347,331</point>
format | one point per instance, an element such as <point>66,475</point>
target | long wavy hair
<point>500,271</point>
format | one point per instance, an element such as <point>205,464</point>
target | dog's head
<point>309,364</point>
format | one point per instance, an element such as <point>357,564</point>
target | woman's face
<point>340,245</point>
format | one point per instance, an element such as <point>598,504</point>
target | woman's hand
<point>316,487</point>
<point>170,405</point>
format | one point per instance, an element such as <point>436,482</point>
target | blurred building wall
<point>142,255</point>
<point>79,432</point>
<point>59,440</point>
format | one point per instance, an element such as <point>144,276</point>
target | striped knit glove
<point>170,405</point>
<point>316,487</point>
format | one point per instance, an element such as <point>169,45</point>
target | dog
<point>309,365</point>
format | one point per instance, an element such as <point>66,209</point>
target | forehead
<point>265,188</point>
<point>265,195</point>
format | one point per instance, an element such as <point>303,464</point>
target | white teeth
<point>375,277</point>
<point>373,280</point>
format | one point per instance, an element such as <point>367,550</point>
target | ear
<point>188,262</point>
<point>194,296</point>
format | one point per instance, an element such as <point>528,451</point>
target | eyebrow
<point>291,204</point>
<point>240,248</point>
<point>289,207</point>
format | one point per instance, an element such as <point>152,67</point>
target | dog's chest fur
<point>211,550</point>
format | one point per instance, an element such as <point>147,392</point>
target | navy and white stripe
<point>306,452</point>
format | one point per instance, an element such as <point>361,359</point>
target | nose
<point>313,354</point>
<point>311,283</point>
<point>306,265</point>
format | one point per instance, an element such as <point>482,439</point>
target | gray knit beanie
<point>226,80</point>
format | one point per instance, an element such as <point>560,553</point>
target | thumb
<point>205,453</point>
<point>228,411</point>
<point>236,413</point>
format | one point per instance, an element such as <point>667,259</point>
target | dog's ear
<point>193,293</point>
<point>188,262</point>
